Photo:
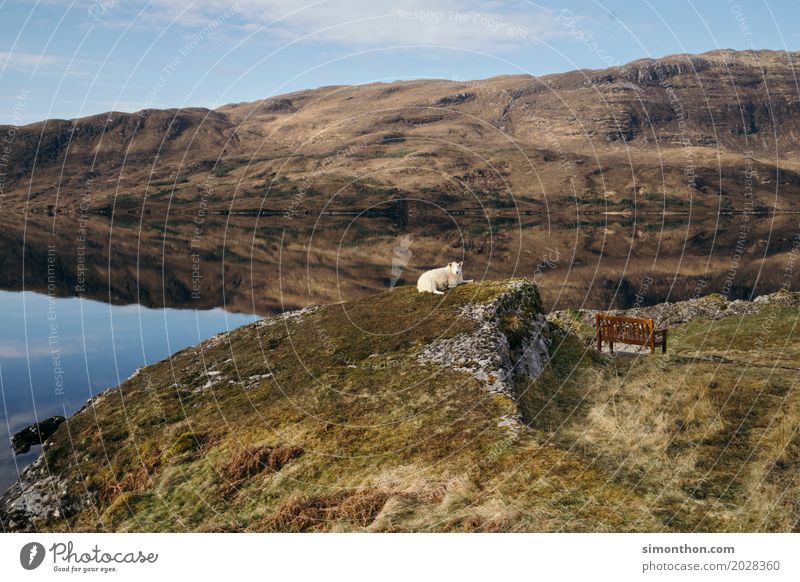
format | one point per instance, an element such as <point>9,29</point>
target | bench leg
<point>611,347</point>
<point>664,346</point>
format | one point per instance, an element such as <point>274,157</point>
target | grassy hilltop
<point>411,412</point>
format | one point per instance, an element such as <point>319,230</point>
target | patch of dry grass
<point>699,442</point>
<point>252,460</point>
<point>300,513</point>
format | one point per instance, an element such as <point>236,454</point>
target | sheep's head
<point>455,268</point>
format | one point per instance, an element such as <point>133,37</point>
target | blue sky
<point>61,59</point>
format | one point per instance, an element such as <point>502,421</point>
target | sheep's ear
<point>461,263</point>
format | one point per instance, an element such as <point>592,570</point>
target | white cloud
<point>15,351</point>
<point>35,350</point>
<point>24,61</point>
<point>361,24</point>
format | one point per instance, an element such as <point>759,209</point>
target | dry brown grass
<point>362,507</point>
<point>297,513</point>
<point>635,420</point>
<point>132,482</point>
<point>251,461</point>
<point>708,447</point>
<point>302,513</point>
<point>480,524</point>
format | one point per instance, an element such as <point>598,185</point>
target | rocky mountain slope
<point>411,412</point>
<point>719,129</point>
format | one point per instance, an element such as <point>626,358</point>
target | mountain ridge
<point>687,126</point>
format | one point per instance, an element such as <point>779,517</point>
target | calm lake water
<point>55,353</point>
<point>129,291</point>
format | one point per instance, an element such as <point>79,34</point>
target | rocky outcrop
<point>40,495</point>
<point>35,434</point>
<point>510,342</point>
<point>454,99</point>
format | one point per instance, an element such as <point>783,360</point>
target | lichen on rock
<point>508,342</point>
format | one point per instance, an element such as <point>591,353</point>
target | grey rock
<point>712,307</point>
<point>35,434</point>
<point>488,354</point>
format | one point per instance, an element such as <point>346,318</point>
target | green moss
<point>186,442</point>
<point>122,508</point>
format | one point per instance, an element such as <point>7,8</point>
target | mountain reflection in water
<point>268,264</point>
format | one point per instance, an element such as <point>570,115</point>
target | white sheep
<point>435,280</point>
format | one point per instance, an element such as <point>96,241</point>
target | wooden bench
<point>629,330</point>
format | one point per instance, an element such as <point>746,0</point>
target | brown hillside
<point>676,128</point>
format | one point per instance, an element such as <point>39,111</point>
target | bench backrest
<point>619,327</point>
